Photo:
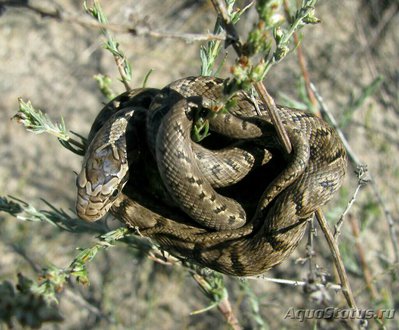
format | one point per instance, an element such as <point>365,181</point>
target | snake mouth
<point>91,205</point>
<point>95,200</point>
<point>91,208</point>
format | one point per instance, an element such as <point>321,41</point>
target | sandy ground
<point>53,63</point>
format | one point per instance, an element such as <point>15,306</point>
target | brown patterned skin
<point>203,227</point>
<point>105,168</point>
<point>105,165</point>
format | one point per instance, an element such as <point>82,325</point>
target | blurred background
<point>352,58</point>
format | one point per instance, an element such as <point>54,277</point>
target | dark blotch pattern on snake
<point>185,210</point>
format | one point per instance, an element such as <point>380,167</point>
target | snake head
<point>101,180</point>
<point>97,192</point>
<point>105,168</point>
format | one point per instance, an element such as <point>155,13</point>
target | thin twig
<point>355,160</point>
<point>334,123</point>
<point>301,60</point>
<point>276,120</point>
<point>334,248</point>
<point>346,289</point>
<point>336,287</point>
<point>361,173</point>
<point>68,292</point>
<point>362,258</point>
<point>136,31</point>
<point>233,38</point>
<point>123,65</point>
<point>304,70</point>
<point>226,310</point>
<point>38,122</point>
<point>217,292</point>
<point>377,277</point>
<point>78,299</point>
<point>119,64</point>
<point>309,247</point>
<point>388,217</point>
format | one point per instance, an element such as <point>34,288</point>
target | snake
<point>147,137</point>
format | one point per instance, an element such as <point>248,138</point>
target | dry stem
<point>346,289</point>
<point>356,162</point>
<point>301,61</point>
<point>233,38</point>
<point>224,305</point>
<point>367,275</point>
<point>64,16</point>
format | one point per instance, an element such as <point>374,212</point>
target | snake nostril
<point>115,193</point>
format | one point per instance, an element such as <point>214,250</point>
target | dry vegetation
<point>352,58</point>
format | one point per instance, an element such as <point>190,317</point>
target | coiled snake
<point>234,203</point>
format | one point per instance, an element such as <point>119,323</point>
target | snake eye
<point>115,193</point>
<point>203,112</point>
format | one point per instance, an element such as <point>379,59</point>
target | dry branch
<point>60,14</point>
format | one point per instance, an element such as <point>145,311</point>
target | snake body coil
<point>215,230</point>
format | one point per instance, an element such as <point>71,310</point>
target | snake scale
<point>235,202</point>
